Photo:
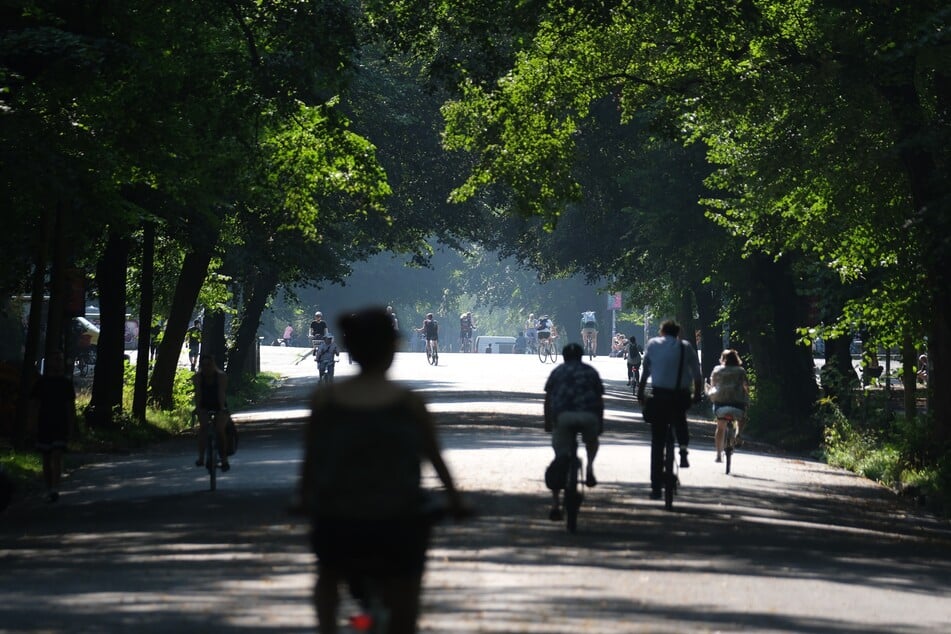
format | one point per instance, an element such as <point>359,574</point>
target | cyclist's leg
<point>718,437</point>
<point>221,421</point>
<point>327,598</point>
<point>203,422</point>
<point>658,438</point>
<point>589,434</point>
<point>401,597</point>
<point>682,432</point>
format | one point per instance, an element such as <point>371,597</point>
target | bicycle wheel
<point>542,351</point>
<point>572,494</point>
<point>670,478</point>
<point>429,354</point>
<point>211,460</point>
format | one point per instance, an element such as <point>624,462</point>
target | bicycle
<point>326,369</point>
<point>574,494</point>
<point>465,343</point>
<point>588,346</point>
<point>85,358</point>
<point>211,449</point>
<point>366,590</point>
<point>731,416</point>
<point>546,351</point>
<point>670,472</point>
<point>635,379</point>
<point>432,352</point>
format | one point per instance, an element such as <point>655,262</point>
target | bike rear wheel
<point>542,351</point>
<point>670,476</point>
<point>211,460</point>
<point>572,494</point>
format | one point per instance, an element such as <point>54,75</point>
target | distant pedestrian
<point>53,399</point>
<point>288,335</point>
<point>193,338</point>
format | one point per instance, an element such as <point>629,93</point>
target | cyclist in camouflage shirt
<point>573,403</point>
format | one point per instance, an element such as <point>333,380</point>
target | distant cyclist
<point>573,404</point>
<point>211,384</point>
<point>318,329</point>
<point>430,330</point>
<point>633,354</point>
<point>466,326</point>
<point>589,330</point>
<point>530,329</point>
<point>543,328</point>
<point>729,389</point>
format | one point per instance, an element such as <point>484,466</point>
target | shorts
<point>544,335</point>
<point>379,547</point>
<point>570,423</point>
<point>589,330</point>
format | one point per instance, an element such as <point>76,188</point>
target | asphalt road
<point>784,544</point>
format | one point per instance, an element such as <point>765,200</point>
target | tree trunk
<point>108,381</point>
<point>710,334</point>
<point>190,280</point>
<point>838,376</point>
<point>34,328</point>
<point>250,319</point>
<point>146,279</point>
<point>213,336</point>
<point>785,376</point>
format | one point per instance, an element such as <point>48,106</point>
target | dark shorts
<point>382,548</point>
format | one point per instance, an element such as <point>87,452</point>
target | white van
<point>494,344</point>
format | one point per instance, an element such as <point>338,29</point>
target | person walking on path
<point>193,338</point>
<point>54,401</point>
<point>360,481</point>
<point>574,404</point>
<point>288,335</point>
<point>671,364</point>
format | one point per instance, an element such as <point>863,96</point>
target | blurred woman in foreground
<point>360,483</point>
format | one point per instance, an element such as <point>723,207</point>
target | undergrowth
<point>127,433</point>
<point>890,448</point>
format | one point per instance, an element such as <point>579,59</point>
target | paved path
<point>782,545</point>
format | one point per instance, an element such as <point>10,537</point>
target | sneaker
<point>554,514</point>
<point>52,496</point>
<point>719,459</point>
<point>656,494</point>
<point>225,465</point>
<point>200,462</point>
<point>684,464</point>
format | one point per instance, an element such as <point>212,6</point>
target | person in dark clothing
<point>673,366</point>
<point>54,401</point>
<point>360,483</point>
<point>211,385</point>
